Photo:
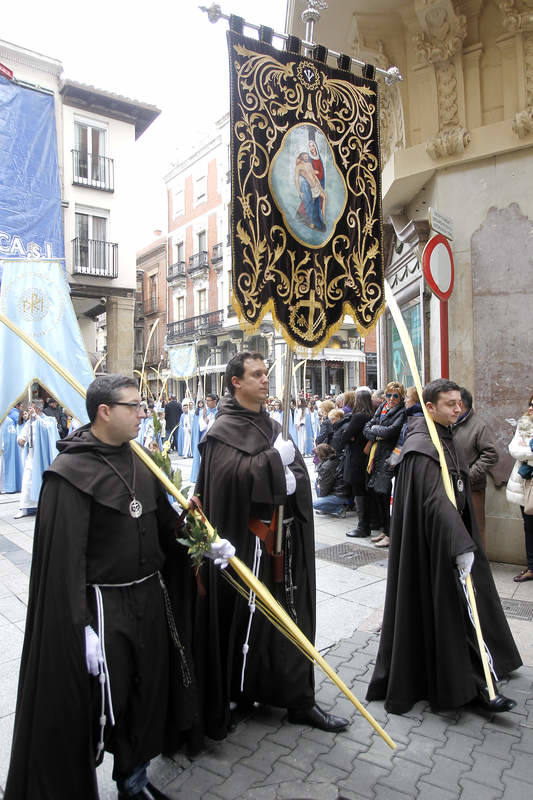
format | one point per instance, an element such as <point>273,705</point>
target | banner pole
<point>289,628</point>
<point>285,434</point>
<point>392,75</point>
<point>394,309</point>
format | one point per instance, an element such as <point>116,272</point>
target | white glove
<point>93,652</point>
<point>464,563</point>
<point>220,552</point>
<point>290,480</point>
<point>286,449</point>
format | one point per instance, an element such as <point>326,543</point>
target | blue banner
<point>31,224</point>
<point>182,361</point>
<point>35,297</point>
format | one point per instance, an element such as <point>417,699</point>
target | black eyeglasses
<point>133,404</point>
<point>531,405</point>
<point>394,395</point>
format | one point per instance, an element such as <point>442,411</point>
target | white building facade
<point>96,133</point>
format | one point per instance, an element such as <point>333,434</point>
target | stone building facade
<point>456,135</point>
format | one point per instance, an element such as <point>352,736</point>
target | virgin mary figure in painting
<point>310,181</point>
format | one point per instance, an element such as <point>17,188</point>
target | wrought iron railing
<point>94,257</point>
<point>192,325</point>
<point>150,304</point>
<point>199,261</point>
<point>176,270</point>
<point>96,172</point>
<point>218,252</point>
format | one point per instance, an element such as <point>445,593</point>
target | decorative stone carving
<point>443,31</point>
<point>517,15</point>
<point>523,123</point>
<point>439,43</point>
<point>392,127</point>
<point>450,142</point>
<point>447,94</point>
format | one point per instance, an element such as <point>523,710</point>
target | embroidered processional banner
<point>306,193</point>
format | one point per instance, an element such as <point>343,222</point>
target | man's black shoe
<point>148,793</point>
<point>359,533</point>
<point>496,706</point>
<point>316,718</point>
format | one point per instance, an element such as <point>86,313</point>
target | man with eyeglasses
<point>428,648</point>
<point>106,663</point>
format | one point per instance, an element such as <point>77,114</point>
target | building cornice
<point>29,58</point>
<point>182,166</point>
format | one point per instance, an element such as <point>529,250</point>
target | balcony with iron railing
<point>218,253</point>
<point>176,270</point>
<point>198,261</point>
<point>191,325</point>
<point>94,257</point>
<point>139,309</point>
<point>150,304</point>
<point>95,172</point>
<point>153,355</point>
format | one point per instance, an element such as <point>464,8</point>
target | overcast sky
<point>163,52</point>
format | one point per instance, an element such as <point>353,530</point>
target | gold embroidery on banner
<point>315,281</point>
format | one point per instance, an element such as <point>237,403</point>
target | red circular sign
<point>437,265</point>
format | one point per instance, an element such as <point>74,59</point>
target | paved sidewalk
<point>438,756</point>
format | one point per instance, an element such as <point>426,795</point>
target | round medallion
<point>460,485</point>
<point>136,508</point>
<point>308,74</point>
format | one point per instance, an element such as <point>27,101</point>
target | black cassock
<point>85,534</point>
<point>241,478</point>
<point>428,649</point>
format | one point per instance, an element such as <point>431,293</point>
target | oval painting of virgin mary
<point>307,185</point>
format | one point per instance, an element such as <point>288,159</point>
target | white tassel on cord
<point>251,606</point>
<point>103,676</point>
<point>471,615</point>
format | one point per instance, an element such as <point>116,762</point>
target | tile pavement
<point>438,756</point>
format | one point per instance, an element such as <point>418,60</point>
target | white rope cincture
<point>103,675</point>
<point>251,606</point>
<point>462,578</point>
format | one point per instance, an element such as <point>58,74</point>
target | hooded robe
<point>242,478</point>
<point>84,534</point>
<point>428,650</point>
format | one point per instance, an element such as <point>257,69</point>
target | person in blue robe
<point>205,420</point>
<point>38,437</point>
<point>13,466</point>
<point>185,430</point>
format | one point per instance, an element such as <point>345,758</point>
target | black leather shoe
<point>496,706</point>
<point>358,533</point>
<point>316,718</point>
<point>148,793</point>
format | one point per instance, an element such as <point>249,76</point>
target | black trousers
<point>528,530</point>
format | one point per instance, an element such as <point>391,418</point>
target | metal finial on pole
<point>215,13</point>
<point>311,16</point>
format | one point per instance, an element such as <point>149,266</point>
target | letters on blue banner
<point>31,224</point>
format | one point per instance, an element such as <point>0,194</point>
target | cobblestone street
<point>438,756</point>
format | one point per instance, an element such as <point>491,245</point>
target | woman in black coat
<point>325,432</point>
<point>356,460</point>
<point>383,431</point>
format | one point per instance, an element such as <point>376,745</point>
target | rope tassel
<point>286,624</point>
